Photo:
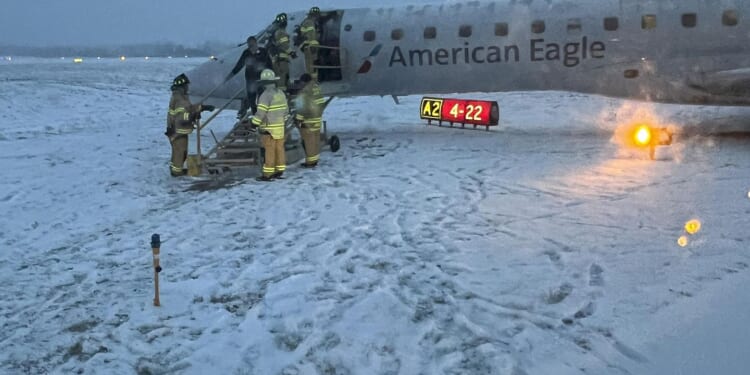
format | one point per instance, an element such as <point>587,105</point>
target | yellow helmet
<point>267,75</point>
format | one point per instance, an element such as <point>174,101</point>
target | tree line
<point>150,49</point>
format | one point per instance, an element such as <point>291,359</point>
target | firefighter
<point>281,51</point>
<point>311,40</point>
<point>309,116</point>
<point>254,59</point>
<point>273,111</point>
<point>180,122</point>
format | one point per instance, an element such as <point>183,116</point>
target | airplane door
<point>330,54</point>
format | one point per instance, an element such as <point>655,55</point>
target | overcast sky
<point>117,22</point>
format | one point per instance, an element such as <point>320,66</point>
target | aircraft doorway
<point>329,53</point>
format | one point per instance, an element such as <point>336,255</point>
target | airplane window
<point>648,22</point>
<point>631,73</point>
<point>611,23</point>
<point>430,32</point>
<point>729,18</point>
<point>397,34</point>
<point>501,29</point>
<point>574,25</point>
<point>689,19</point>
<point>369,36</point>
<point>464,31</point>
<point>348,27</point>
<point>537,27</point>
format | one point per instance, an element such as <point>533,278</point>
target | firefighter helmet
<point>281,18</point>
<point>180,80</point>
<point>315,11</point>
<point>267,75</point>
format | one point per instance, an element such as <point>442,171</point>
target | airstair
<point>240,152</point>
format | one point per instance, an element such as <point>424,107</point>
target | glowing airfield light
<point>693,226</point>
<point>78,60</point>
<point>682,241</point>
<point>146,58</point>
<point>122,58</point>
<point>642,135</point>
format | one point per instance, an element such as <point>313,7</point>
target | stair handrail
<point>208,121</point>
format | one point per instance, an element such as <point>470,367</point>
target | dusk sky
<point>102,23</point>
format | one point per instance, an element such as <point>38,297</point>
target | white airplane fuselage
<point>673,51</point>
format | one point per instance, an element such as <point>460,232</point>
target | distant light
<point>212,58</point>
<point>62,58</point>
<point>682,241</point>
<point>122,58</point>
<point>186,56</point>
<point>11,59</point>
<point>693,226</point>
<point>642,135</point>
<point>78,60</point>
<point>146,58</point>
<point>169,57</point>
<point>98,57</point>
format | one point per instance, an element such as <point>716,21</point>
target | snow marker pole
<point>155,244</point>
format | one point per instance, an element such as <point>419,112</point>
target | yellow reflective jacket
<point>272,112</point>
<point>309,32</point>
<point>310,104</point>
<point>281,44</point>
<point>179,119</point>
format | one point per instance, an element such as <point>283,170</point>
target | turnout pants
<point>311,138</point>
<point>179,153</point>
<point>275,158</point>
<point>281,69</point>
<point>311,54</point>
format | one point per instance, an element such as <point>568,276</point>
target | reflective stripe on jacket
<point>180,108</point>
<point>310,111</point>
<point>272,111</point>
<point>281,41</point>
<point>309,32</point>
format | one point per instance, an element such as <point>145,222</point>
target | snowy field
<point>539,247</point>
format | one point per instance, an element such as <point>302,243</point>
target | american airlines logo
<point>367,64</point>
<point>569,54</point>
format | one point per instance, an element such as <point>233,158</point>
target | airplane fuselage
<point>675,51</point>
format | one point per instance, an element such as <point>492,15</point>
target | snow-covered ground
<point>539,247</point>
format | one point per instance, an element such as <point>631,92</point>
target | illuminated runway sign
<point>460,111</point>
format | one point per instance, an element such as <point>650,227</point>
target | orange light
<point>693,226</point>
<point>642,135</point>
<point>682,241</point>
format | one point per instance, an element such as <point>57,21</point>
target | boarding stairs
<point>240,151</point>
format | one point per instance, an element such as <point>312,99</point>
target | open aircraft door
<point>331,57</point>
